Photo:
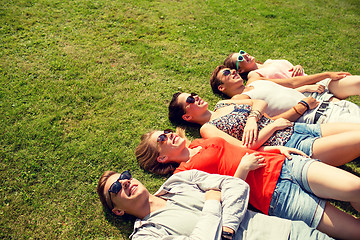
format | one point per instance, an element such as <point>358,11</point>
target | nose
<point>125,183</point>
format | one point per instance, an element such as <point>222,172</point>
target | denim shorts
<point>304,136</point>
<point>292,198</point>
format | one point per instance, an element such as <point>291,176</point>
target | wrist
<point>305,104</point>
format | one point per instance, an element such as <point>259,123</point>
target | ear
<point>221,88</point>
<point>118,212</point>
<point>186,117</point>
<point>162,159</point>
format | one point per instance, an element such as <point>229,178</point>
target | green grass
<point>81,81</point>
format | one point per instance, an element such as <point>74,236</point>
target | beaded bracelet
<point>302,102</point>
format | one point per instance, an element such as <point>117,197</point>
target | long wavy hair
<point>147,153</point>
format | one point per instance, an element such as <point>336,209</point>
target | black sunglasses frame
<point>226,72</point>
<point>162,137</point>
<point>190,99</point>
<point>116,186</point>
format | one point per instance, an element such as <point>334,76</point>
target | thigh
<point>330,182</point>
<point>345,87</point>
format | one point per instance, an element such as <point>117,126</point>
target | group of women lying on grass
<point>285,147</point>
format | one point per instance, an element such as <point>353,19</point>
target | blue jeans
<point>304,136</point>
<point>292,198</point>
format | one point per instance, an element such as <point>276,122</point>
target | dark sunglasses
<point>116,186</point>
<point>226,72</point>
<point>191,99</point>
<point>162,137</point>
<point>240,58</point>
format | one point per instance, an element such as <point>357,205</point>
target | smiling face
<point>171,148</point>
<point>197,108</point>
<point>247,65</point>
<point>132,196</point>
<point>231,82</point>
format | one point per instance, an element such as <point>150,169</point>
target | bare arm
<point>248,163</point>
<point>299,81</point>
<point>292,114</point>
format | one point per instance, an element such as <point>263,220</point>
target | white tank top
<point>279,98</point>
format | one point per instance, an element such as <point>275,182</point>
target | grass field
<point>82,80</point>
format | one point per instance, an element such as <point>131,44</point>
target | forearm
<point>293,113</point>
<point>298,81</point>
<point>241,172</point>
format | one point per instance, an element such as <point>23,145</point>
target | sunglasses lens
<point>162,138</point>
<point>125,175</point>
<point>115,187</point>
<point>242,52</point>
<point>240,58</point>
<point>166,131</point>
<point>190,99</point>
<point>226,72</point>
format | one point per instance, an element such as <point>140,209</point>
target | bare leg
<point>345,87</point>
<point>333,183</point>
<point>328,129</point>
<point>339,224</point>
<point>337,149</point>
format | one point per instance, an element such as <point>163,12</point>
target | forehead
<point>155,135</point>
<point>182,98</point>
<point>221,75</point>
<point>113,178</point>
<point>235,56</point>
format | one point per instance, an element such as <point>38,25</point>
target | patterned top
<point>234,124</point>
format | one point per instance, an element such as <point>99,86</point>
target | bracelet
<point>226,236</point>
<point>297,111</point>
<point>302,102</point>
<point>256,113</point>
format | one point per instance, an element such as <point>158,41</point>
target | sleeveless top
<point>273,69</point>
<point>279,98</point>
<point>234,122</point>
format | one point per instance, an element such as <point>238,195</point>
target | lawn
<point>82,80</point>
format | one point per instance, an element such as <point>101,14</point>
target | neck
<point>235,91</point>
<point>204,118</point>
<point>153,204</point>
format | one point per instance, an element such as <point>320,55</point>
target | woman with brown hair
<point>291,187</point>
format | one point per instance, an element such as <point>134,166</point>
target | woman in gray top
<point>195,205</point>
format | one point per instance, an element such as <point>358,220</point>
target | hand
<point>315,88</point>
<point>213,194</point>
<point>286,151</point>
<point>297,70</point>
<point>338,75</point>
<point>252,161</point>
<point>250,131</point>
<point>312,102</point>
<point>282,123</point>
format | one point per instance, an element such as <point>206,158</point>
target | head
<point>241,61</point>
<point>226,82</point>
<point>158,151</point>
<point>184,108</point>
<point>120,193</point>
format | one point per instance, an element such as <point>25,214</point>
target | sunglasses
<point>162,137</point>
<point>226,72</point>
<point>190,99</point>
<point>116,186</point>
<point>240,58</point>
